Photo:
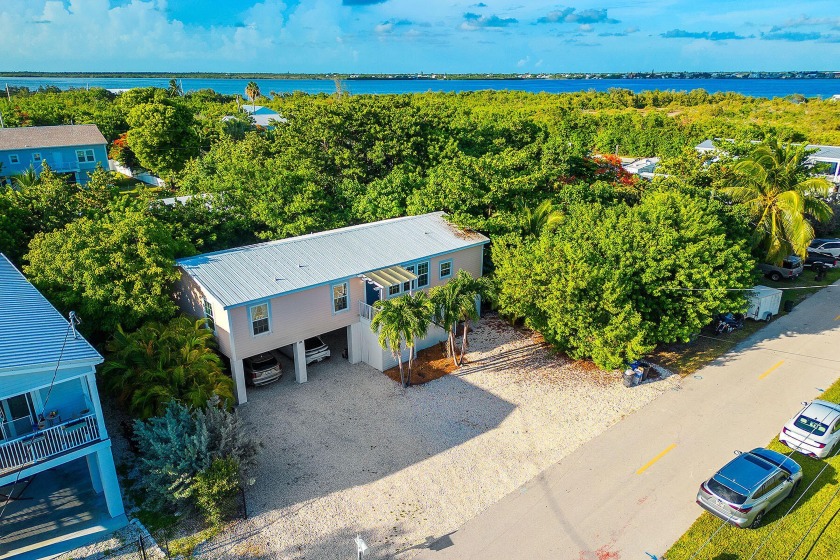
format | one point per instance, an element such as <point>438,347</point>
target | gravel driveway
<point>350,452</point>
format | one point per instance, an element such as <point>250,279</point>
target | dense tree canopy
<point>113,270</point>
<point>610,282</point>
<point>622,264</point>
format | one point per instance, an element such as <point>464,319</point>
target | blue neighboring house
<point>58,483</point>
<point>74,149</point>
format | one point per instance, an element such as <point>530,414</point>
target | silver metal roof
<point>254,272</point>
<point>825,152</point>
<point>31,330</point>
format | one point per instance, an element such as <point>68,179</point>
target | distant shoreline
<point>745,75</point>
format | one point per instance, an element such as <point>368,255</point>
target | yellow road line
<point>655,459</point>
<point>771,370</point>
<point>837,318</point>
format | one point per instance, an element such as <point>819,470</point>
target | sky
<point>413,36</point>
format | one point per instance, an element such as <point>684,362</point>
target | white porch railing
<point>43,444</point>
<point>367,311</point>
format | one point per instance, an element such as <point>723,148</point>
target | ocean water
<point>753,87</point>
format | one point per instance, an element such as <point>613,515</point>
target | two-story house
<point>270,295</point>
<point>50,415</point>
<point>73,149</point>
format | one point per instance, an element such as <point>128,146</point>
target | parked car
<point>316,350</point>
<point>816,259</point>
<point>262,369</point>
<point>830,246</point>
<point>790,268</point>
<point>815,430</point>
<point>749,486</point>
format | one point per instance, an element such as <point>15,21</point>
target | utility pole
<point>1,121</point>
<point>8,94</point>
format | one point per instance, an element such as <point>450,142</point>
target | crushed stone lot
<point>351,452</point>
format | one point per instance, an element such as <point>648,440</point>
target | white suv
<point>830,246</point>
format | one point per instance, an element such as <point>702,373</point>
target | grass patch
<point>185,546</point>
<point>686,358</point>
<point>821,543</point>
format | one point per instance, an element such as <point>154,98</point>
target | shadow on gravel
<point>350,425</point>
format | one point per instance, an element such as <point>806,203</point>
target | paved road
<point>631,490</point>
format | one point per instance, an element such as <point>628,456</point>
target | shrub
<point>215,489</point>
<point>184,442</point>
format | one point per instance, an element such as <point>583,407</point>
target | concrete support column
<point>354,343</point>
<point>93,469</point>
<point>90,379</point>
<point>238,370</point>
<point>300,361</point>
<point>110,484</point>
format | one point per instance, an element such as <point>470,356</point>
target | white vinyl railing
<point>367,311</point>
<point>45,443</point>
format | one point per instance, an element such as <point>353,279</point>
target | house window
<point>208,314</point>
<point>341,301</point>
<point>36,157</point>
<point>393,290</point>
<point>85,156</point>
<point>13,159</point>
<point>422,274</point>
<point>445,269</point>
<point>408,285</point>
<point>260,318</point>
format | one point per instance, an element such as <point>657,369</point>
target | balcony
<point>49,442</point>
<point>366,311</point>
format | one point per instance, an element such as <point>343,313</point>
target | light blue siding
<point>17,384</point>
<point>61,159</point>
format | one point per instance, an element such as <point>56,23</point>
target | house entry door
<point>18,416</point>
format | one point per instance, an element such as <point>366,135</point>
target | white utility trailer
<point>764,303</point>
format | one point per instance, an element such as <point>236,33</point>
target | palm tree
<point>252,91</point>
<point>469,291</point>
<point>774,186</point>
<point>444,301</point>
<point>455,302</point>
<point>420,310</point>
<point>400,321</point>
<point>26,180</point>
<point>159,363</point>
<point>174,89</point>
<point>543,216</point>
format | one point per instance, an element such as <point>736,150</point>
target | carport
<point>336,341</point>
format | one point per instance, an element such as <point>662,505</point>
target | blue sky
<point>384,36</point>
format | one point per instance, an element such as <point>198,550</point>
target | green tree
<point>543,216</point>
<point>174,89</point>
<point>611,282</point>
<point>114,270</point>
<point>773,184</point>
<point>455,302</point>
<point>159,362</point>
<point>183,443</point>
<point>252,91</point>
<point>26,180</point>
<point>400,321</point>
<point>162,135</point>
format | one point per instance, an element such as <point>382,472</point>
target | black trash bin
<point>788,306</point>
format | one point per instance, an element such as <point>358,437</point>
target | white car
<point>815,430</point>
<point>262,369</point>
<point>830,246</point>
<point>316,350</point>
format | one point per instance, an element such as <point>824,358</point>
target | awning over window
<point>391,276</point>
